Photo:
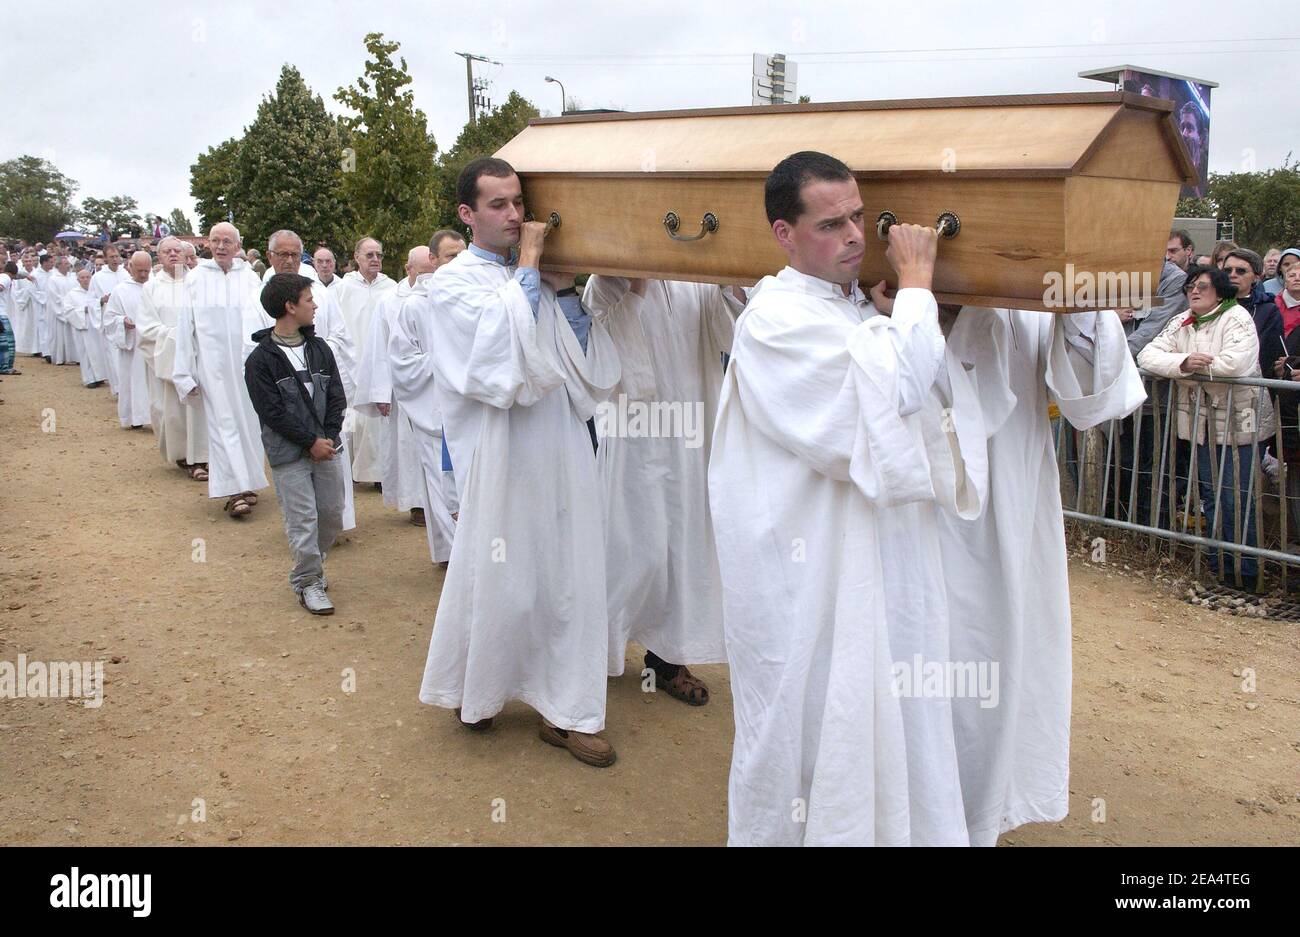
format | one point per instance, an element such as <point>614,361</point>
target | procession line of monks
<point>868,531</point>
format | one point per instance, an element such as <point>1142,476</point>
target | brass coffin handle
<point>708,224</point>
<point>947,225</point>
<point>552,222</point>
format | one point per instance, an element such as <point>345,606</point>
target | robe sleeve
<point>341,344</point>
<point>115,329</point>
<point>831,392</point>
<point>375,385</point>
<point>1090,370</point>
<point>619,310</point>
<point>414,378</point>
<point>149,325</point>
<point>185,366</point>
<point>486,340</point>
<point>718,312</point>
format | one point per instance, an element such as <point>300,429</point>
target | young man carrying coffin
<point>522,613</point>
<point>840,435</point>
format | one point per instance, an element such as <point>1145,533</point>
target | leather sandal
<point>237,506</point>
<point>589,749</point>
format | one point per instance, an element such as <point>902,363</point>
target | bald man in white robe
<point>415,388</point>
<point>120,313</point>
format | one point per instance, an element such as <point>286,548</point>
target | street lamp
<point>563,99</point>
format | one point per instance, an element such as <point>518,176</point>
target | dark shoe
<point>417,517</point>
<point>589,749</point>
<point>481,726</point>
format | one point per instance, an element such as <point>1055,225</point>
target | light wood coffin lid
<point>1107,134</point>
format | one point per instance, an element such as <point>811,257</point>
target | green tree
<point>288,171</point>
<point>179,223</point>
<point>121,212</point>
<point>212,182</point>
<point>484,137</point>
<point>1263,206</point>
<point>35,199</point>
<point>388,178</point>
<point>1195,208</point>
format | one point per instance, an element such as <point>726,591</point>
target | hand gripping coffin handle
<point>947,224</point>
<point>708,224</point>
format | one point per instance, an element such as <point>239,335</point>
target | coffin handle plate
<point>708,224</point>
<point>947,224</point>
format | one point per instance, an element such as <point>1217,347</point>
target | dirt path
<point>219,687</point>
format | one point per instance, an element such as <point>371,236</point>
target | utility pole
<point>472,86</point>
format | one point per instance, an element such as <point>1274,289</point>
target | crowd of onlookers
<point>1229,314</point>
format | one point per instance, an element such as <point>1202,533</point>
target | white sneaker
<point>313,599</point>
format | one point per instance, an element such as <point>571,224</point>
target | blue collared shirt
<point>576,313</point>
<point>529,277</point>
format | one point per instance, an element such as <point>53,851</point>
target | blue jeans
<point>1233,479</point>
<point>7,346</point>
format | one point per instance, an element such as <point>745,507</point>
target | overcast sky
<point>124,106</point>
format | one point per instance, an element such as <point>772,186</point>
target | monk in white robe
<point>28,298</point>
<point>101,287</point>
<point>374,401</point>
<point>63,348</point>
<point>839,434</point>
<point>214,328</point>
<point>43,313</point>
<point>120,312</point>
<point>363,289</point>
<point>655,435</point>
<point>522,612</point>
<point>1005,571</point>
<point>284,249</point>
<point>326,267</point>
<point>181,430</point>
<point>415,390</point>
<point>78,307</point>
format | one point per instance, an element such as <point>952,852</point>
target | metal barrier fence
<point>1152,478</point>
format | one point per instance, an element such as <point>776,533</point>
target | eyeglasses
<point>222,242</point>
<point>285,254</point>
<point>378,255</point>
<point>1240,271</point>
<point>1200,287</point>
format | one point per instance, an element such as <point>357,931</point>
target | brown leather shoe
<point>417,517</point>
<point>481,726</point>
<point>589,749</point>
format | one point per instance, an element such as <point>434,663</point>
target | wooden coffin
<point>1080,186</point>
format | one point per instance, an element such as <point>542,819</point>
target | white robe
<point>102,284</point>
<point>522,611</point>
<point>839,433</point>
<point>77,310</point>
<point>661,563</point>
<point>182,430</point>
<point>415,390</point>
<point>402,475</point>
<point>27,301</point>
<point>63,348</point>
<point>363,434</point>
<point>214,331</point>
<point>306,270</point>
<point>44,314</point>
<point>1005,571</point>
<point>133,404</point>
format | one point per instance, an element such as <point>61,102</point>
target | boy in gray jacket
<point>295,389</point>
